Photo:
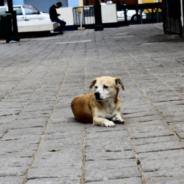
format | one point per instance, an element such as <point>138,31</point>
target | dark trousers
<point>62,23</point>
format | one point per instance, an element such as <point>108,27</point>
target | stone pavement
<point>40,141</point>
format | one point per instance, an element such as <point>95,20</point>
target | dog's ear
<point>92,83</point>
<point>119,82</point>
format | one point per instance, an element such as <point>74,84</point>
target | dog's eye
<point>105,87</point>
<point>96,87</point>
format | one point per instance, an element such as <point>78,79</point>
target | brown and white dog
<point>103,107</point>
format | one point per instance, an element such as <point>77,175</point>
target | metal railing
<point>152,8</point>
<point>173,14</point>
<point>84,14</point>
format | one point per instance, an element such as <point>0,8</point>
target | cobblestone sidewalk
<point>40,141</point>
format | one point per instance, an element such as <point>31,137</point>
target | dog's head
<point>106,87</point>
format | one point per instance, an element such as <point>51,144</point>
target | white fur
<point>108,124</point>
<point>101,107</point>
<point>118,118</point>
<point>104,93</point>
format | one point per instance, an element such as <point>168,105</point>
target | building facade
<point>43,5</point>
<point>127,2</point>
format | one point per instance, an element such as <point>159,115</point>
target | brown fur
<point>84,107</point>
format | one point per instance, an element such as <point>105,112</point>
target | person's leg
<point>61,28</point>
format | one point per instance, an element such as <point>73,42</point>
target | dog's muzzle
<point>97,96</point>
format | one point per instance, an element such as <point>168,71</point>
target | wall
<point>44,5</point>
<point>66,14</point>
<point>127,2</point>
<point>81,3</point>
<point>140,1</point>
<point>73,3</point>
<point>18,2</point>
<point>151,1</point>
<point>92,2</point>
<point>109,13</point>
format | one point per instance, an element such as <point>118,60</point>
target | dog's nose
<point>97,95</point>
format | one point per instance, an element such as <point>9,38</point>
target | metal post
<point>98,16</point>
<point>1,2</point>
<point>182,27</point>
<point>14,17</point>
<point>10,6</point>
<point>81,20</point>
<point>125,14</point>
<point>181,12</point>
<point>152,14</point>
<point>157,15</point>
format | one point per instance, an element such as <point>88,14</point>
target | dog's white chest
<point>106,113</point>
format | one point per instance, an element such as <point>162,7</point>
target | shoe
<point>12,41</point>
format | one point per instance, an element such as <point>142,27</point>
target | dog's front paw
<point>109,124</point>
<point>118,119</point>
<point>119,122</point>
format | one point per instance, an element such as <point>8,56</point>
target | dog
<point>103,107</point>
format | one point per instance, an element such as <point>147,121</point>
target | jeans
<point>62,25</point>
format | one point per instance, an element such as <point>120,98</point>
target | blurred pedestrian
<point>54,17</point>
<point>118,4</point>
<point>109,2</point>
<point>102,2</point>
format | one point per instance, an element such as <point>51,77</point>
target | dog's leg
<point>118,119</point>
<point>102,122</point>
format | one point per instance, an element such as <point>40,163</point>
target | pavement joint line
<point>122,33</point>
<point>170,127</point>
<point>122,37</point>
<point>100,57</point>
<point>157,76</point>
<point>79,41</point>
<point>126,126</point>
<point>12,53</point>
<point>16,69</point>
<point>83,156</point>
<point>24,78</point>
<point>8,76</point>
<point>160,62</point>
<point>48,121</point>
<point>7,66</point>
<point>6,131</point>
<point>133,146</point>
<point>85,129</point>
<point>46,126</point>
<point>136,155</point>
<point>81,32</point>
<point>169,56</point>
<point>155,148</point>
<point>166,84</point>
<point>178,94</point>
<point>42,39</point>
<point>27,74</point>
<point>158,27</point>
<point>169,69</point>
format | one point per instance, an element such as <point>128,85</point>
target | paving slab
<point>41,141</point>
<point>133,180</point>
